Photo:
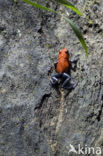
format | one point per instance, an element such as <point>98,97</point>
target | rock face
<point>36,119</point>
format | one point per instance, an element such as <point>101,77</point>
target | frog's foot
<point>54,81</point>
<point>72,86</point>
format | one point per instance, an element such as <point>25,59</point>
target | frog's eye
<point>66,52</point>
<point>60,51</point>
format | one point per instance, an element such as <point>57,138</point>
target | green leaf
<point>69,5</point>
<point>78,33</point>
<point>39,6</point>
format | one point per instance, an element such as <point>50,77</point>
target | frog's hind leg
<point>66,83</point>
<point>72,86</point>
<point>67,79</point>
<point>55,78</point>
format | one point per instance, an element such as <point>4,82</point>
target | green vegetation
<point>69,5</point>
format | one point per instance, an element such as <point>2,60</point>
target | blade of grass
<point>39,6</point>
<point>74,27</point>
<point>78,33</point>
<point>69,5</point>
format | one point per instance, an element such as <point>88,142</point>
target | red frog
<point>62,68</point>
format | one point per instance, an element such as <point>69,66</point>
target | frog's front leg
<point>74,61</point>
<point>55,65</point>
<point>55,78</point>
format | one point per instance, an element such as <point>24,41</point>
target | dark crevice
<point>100,113</point>
<point>102,98</point>
<point>44,97</point>
<point>22,127</point>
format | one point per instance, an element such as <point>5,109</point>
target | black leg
<point>72,86</point>
<point>54,80</point>
<point>67,79</point>
<point>74,60</point>
<point>55,64</point>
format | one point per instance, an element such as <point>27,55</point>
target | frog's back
<point>62,66</point>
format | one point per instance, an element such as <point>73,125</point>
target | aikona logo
<point>85,150</point>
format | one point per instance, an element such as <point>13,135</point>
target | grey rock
<point>35,118</point>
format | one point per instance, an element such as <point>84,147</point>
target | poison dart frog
<point>62,67</point>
